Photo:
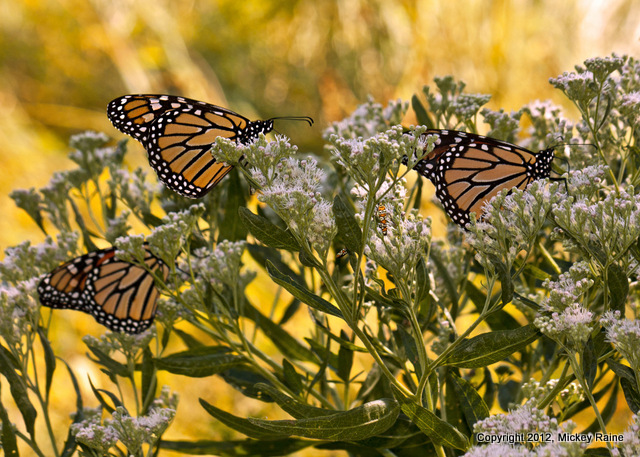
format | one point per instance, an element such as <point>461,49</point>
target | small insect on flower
<point>382,219</point>
<point>118,294</point>
<point>343,252</point>
<point>468,170</point>
<point>178,132</point>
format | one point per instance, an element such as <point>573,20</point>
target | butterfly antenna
<point>307,119</point>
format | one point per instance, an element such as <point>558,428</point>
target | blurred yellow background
<point>63,61</point>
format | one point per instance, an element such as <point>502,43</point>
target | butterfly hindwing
<point>178,132</point>
<point>118,294</point>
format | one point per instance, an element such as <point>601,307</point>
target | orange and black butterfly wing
<point>119,295</point>
<point>469,170</point>
<point>178,132</point>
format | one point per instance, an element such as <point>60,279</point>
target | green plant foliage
<point>371,355</point>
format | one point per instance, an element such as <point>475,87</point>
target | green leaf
<point>308,260</point>
<point>149,381</point>
<point>348,227</point>
<point>49,361</point>
<point>589,363</point>
<point>535,272</point>
<point>423,285</point>
<point>597,452</point>
<point>200,362</point>
<point>70,443</point>
<point>422,116</point>
<point>508,394</point>
<point>18,391</point>
<point>439,431</point>
<point>113,366</point>
<point>345,360</point>
<point>293,406</point>
<point>473,406</point>
<point>266,232</point>
<point>98,394</point>
<point>235,448</point>
<point>622,371</point>
<point>288,345</point>
<point>341,341</point>
<point>631,395</point>
<point>86,234</point>
<point>240,424</point>
<point>188,339</point>
<point>231,227</point>
<point>323,353</point>
<point>246,380</point>
<point>359,423</point>
<point>9,442</point>
<point>302,294</point>
<point>262,254</point>
<point>618,285</point>
<point>506,284</point>
<point>491,347</point>
<point>291,377</point>
<point>450,286</point>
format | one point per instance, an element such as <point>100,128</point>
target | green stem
<point>580,377</point>
<point>32,444</point>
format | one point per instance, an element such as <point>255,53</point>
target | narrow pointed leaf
<point>113,366</point>
<point>240,424</point>
<point>293,406</point>
<point>348,227</point>
<point>49,361</point>
<point>200,362</point>
<point>439,431</point>
<point>345,360</point>
<point>491,347</point>
<point>618,285</point>
<point>70,444</point>
<point>304,295</point>
<point>8,441</point>
<point>473,406</point>
<point>232,228</point>
<point>18,391</point>
<point>267,232</point>
<point>359,423</point>
<point>149,379</point>
<point>262,254</point>
<point>589,363</point>
<point>291,377</point>
<point>246,380</point>
<point>235,448</point>
<point>631,395</point>
<point>98,394</point>
<point>422,116</point>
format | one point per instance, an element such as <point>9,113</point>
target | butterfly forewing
<point>178,132</point>
<point>118,294</point>
<point>469,170</point>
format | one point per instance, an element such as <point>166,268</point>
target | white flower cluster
<point>624,334</point>
<point>132,432</point>
<point>566,318</point>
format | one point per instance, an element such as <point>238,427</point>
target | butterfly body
<point>178,132</point>
<point>118,294</point>
<point>468,170</point>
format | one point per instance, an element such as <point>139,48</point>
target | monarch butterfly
<point>177,134</point>
<point>468,170</point>
<point>118,294</point>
